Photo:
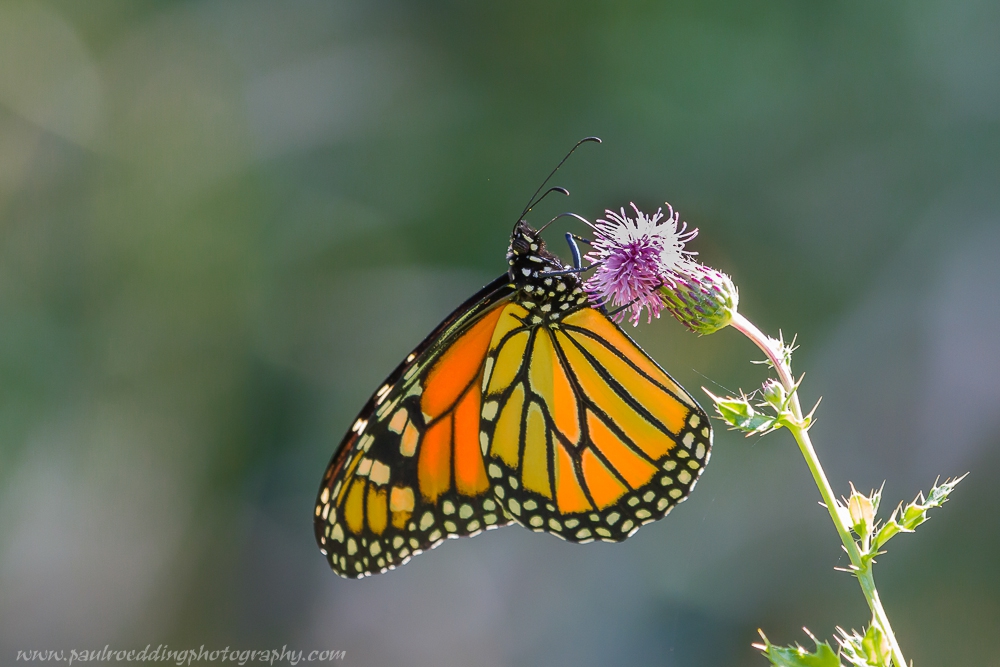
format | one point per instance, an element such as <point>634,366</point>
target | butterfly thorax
<point>547,297</point>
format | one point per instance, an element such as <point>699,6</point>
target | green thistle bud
<point>774,394</point>
<point>701,298</point>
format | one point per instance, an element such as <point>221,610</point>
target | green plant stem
<point>861,570</point>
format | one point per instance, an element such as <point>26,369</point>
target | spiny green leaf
<point>797,656</point>
<point>915,513</point>
<point>741,416</point>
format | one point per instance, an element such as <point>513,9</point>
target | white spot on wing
<point>379,473</point>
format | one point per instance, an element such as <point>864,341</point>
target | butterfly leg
<point>571,239</point>
<point>566,271</point>
<point>578,267</point>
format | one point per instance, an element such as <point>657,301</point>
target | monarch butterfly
<point>526,405</point>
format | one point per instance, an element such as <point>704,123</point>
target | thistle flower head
<point>634,258</point>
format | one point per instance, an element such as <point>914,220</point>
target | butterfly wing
<point>588,437</point>
<point>410,472</point>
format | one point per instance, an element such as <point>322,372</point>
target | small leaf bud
<point>862,513</point>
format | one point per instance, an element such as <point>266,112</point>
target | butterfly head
<point>527,255</point>
<point>525,240</point>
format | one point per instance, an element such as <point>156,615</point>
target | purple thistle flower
<point>634,258</point>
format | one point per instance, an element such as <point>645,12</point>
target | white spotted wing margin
<point>372,439</point>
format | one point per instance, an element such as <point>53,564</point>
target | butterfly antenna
<point>533,202</point>
<point>558,188</point>
<point>563,215</point>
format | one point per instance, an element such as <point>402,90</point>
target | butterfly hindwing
<point>410,472</point>
<point>589,437</point>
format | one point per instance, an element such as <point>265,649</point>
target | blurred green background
<point>222,223</point>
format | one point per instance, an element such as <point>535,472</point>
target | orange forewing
<point>451,400</point>
<point>451,375</point>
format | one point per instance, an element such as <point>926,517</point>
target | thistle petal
<point>634,258</point>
